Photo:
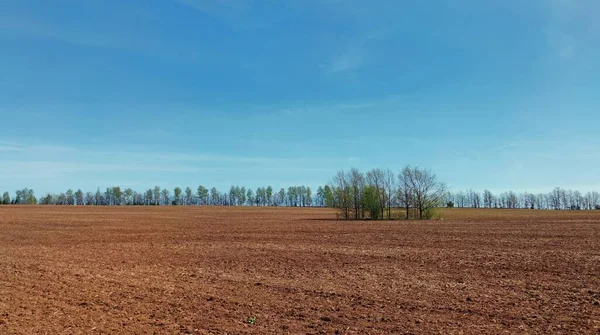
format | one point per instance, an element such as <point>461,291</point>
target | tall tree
<point>177,195</point>
<point>156,195</point>
<point>70,197</point>
<point>31,199</point>
<point>341,193</point>
<point>128,196</point>
<point>242,195</point>
<point>357,190</point>
<point>250,197</point>
<point>203,195</point>
<point>426,189</point>
<point>79,197</point>
<point>6,198</point>
<point>108,196</point>
<point>215,197</point>
<point>375,178</point>
<point>390,187</point>
<point>282,197</point>
<point>149,197</point>
<point>308,197</point>
<point>488,199</point>
<point>188,196</point>
<point>166,197</point>
<point>98,200</point>
<point>118,195</point>
<point>405,195</point>
<point>269,194</point>
<point>371,201</point>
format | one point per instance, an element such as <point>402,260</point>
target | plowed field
<point>296,271</point>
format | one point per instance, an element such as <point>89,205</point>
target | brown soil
<point>296,271</point>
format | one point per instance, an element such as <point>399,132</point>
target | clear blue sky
<point>488,94</point>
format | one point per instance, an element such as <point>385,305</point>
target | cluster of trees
<point>378,192</point>
<point>294,196</point>
<point>22,197</point>
<point>558,199</point>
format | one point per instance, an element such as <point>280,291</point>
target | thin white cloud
<point>355,55</point>
<point>567,51</point>
<point>348,61</point>
<point>216,6</point>
<point>105,37</point>
<point>20,147</point>
<point>53,168</point>
<point>571,23</point>
<point>563,45</point>
<point>41,161</point>
<point>21,26</point>
<point>232,12</point>
<point>338,107</point>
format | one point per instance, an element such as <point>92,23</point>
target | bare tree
<point>488,199</point>
<point>156,193</point>
<point>426,189</point>
<point>461,199</point>
<point>390,187</point>
<point>357,185</point>
<point>166,197</point>
<point>405,195</point>
<point>89,199</point>
<point>341,193</point>
<point>556,198</point>
<point>188,196</point>
<point>79,197</point>
<point>128,195</point>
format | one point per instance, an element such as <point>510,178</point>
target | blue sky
<point>488,94</point>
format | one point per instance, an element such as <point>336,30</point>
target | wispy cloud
<point>104,36</point>
<point>232,12</point>
<point>563,44</point>
<point>75,160</point>
<point>45,169</point>
<point>336,107</point>
<point>20,147</point>
<point>355,55</point>
<point>221,7</point>
<point>22,26</point>
<point>571,23</point>
<point>347,61</point>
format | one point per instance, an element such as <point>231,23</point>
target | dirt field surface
<point>296,271</point>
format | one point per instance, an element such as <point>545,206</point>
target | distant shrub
<point>450,204</point>
<point>429,214</point>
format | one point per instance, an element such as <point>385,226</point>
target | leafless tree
<point>426,189</point>
<point>357,185</point>
<point>488,199</point>
<point>340,187</point>
<point>405,196</point>
<point>390,187</point>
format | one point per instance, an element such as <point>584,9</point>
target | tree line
<point>294,196</point>
<point>409,193</point>
<point>557,199</point>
